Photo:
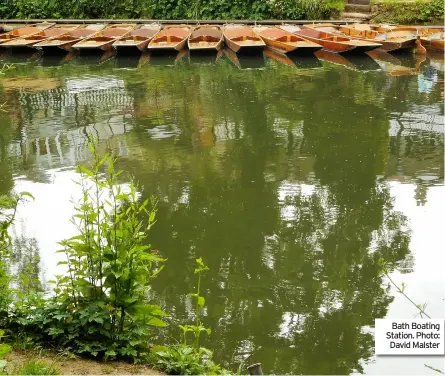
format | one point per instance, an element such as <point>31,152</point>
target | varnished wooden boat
<point>434,42</point>
<point>30,40</point>
<point>336,43</point>
<point>391,40</point>
<point>24,32</point>
<point>64,43</point>
<point>242,39</point>
<point>206,38</point>
<point>137,40</point>
<point>103,40</point>
<point>282,41</point>
<point>170,38</point>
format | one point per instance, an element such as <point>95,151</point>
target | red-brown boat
<point>31,40</point>
<point>241,38</point>
<point>64,43</point>
<point>170,38</point>
<point>284,42</point>
<point>391,40</point>
<point>103,40</point>
<point>137,40</point>
<point>336,43</point>
<point>24,32</point>
<point>206,38</point>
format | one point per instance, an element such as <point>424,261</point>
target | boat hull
<point>245,48</point>
<point>433,45</point>
<point>388,46</point>
<point>130,49</point>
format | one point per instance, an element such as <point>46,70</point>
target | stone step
<point>357,8</point>
<point>355,16</point>
<point>363,2</point>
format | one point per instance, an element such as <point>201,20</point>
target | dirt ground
<point>81,366</point>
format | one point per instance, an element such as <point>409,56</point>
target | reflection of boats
<point>170,38</point>
<point>391,40</point>
<point>302,62</point>
<point>207,57</point>
<point>131,62</point>
<point>65,42</point>
<point>337,43</point>
<point>56,60</point>
<point>20,58</point>
<point>24,32</point>
<point>244,61</point>
<point>167,58</point>
<point>355,62</point>
<point>205,38</point>
<point>242,39</point>
<point>137,40</point>
<point>30,40</point>
<point>94,59</point>
<point>400,65</point>
<point>103,40</point>
<point>284,42</point>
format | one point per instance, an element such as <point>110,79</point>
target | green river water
<point>290,180</point>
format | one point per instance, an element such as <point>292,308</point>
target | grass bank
<point>172,9</point>
<point>411,12</point>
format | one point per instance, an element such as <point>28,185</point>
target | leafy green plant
<point>36,367</point>
<point>4,350</point>
<point>101,305</point>
<point>185,358</point>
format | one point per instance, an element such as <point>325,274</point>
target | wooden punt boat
<point>30,40</point>
<point>64,43</point>
<point>242,39</point>
<point>24,32</point>
<point>336,43</point>
<point>170,38</point>
<point>137,40</point>
<point>302,62</point>
<point>434,42</point>
<point>282,41</point>
<point>206,38</point>
<point>391,40</point>
<point>103,40</point>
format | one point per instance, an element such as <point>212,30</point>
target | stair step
<point>363,2</point>
<point>357,8</point>
<point>356,16</point>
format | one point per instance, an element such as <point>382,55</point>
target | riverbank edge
<point>76,365</point>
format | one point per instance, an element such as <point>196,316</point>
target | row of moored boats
<point>307,39</point>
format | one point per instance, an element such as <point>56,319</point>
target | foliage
<point>172,9</point>
<point>37,367</point>
<point>4,350</point>
<point>418,11</point>
<point>101,306</point>
<point>184,358</point>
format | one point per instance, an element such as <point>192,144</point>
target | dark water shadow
<point>245,61</point>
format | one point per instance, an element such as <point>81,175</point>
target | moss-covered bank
<point>408,12</point>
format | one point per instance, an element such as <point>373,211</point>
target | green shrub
<point>415,12</point>
<point>101,305</point>
<point>172,9</point>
